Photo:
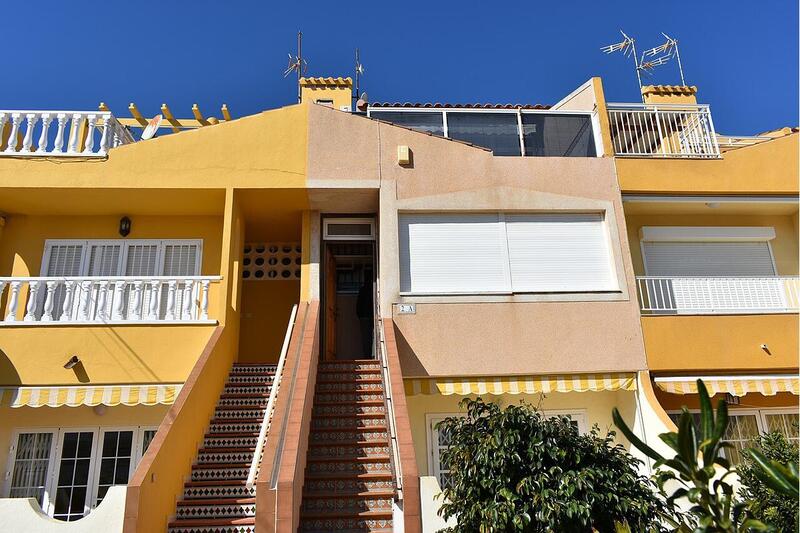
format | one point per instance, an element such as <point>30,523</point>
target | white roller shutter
<point>459,253</point>
<point>708,259</point>
<point>559,253</point>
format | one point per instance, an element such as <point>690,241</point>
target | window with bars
<point>747,424</point>
<point>69,471</point>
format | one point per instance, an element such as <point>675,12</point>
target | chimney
<point>333,92</point>
<point>669,94</point>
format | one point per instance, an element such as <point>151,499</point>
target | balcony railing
<point>106,300</point>
<point>60,133</point>
<point>667,130</point>
<point>707,295</point>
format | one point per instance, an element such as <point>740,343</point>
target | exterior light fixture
<point>712,205</point>
<point>124,226</point>
<point>74,360</point>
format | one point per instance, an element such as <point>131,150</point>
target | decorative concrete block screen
<point>271,261</point>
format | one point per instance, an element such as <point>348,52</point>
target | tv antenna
<point>297,64</point>
<point>628,48</point>
<point>665,52</point>
<point>359,73</point>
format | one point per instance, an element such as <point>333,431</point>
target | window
<point>747,424</point>
<point>424,122</point>
<point>438,441</point>
<point>498,132</point>
<point>558,135</point>
<point>708,259</point>
<point>504,253</point>
<point>69,471</point>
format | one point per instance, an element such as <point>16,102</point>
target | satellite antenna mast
<point>297,64</point>
<point>628,48</point>
<point>669,50</point>
<point>359,73</point>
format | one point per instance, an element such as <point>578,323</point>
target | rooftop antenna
<point>669,50</point>
<point>297,64</point>
<point>628,48</point>
<point>359,73</point>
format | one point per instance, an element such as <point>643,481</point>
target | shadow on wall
<point>8,372</point>
<point>409,362</point>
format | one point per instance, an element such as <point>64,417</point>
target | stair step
<point>349,409</point>
<point>257,368</point>
<point>332,397</point>
<point>348,503</point>
<point>347,450</point>
<point>216,472</point>
<point>240,413</point>
<point>345,467</point>
<point>230,440</point>
<point>252,402</point>
<point>238,426</point>
<point>249,379</point>
<point>201,490</point>
<point>218,525</point>
<point>347,422</point>
<point>222,456</point>
<point>349,386</point>
<point>216,508</point>
<point>317,522</point>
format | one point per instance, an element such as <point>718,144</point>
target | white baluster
<point>2,283</point>
<point>16,118</point>
<point>13,301</point>
<point>3,119</point>
<point>69,294</point>
<point>119,300</point>
<point>106,136</point>
<point>102,297</point>
<point>117,138</point>
<point>47,312</point>
<point>27,141</point>
<point>137,301</point>
<point>33,298</point>
<point>152,313</point>
<point>58,144</point>
<point>46,120</point>
<point>188,300</point>
<point>91,121</point>
<point>171,287</point>
<point>85,301</point>
<point>74,133</point>
<point>204,299</point>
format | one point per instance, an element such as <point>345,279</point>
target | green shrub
<point>765,503</point>
<point>512,469</point>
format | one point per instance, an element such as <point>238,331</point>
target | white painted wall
<point>24,515</point>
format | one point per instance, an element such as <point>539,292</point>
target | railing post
<point>89,147</point>
<point>16,118</point>
<point>66,308</point>
<point>47,311</point>
<point>118,305</point>
<point>172,286</point>
<point>137,301</point>
<point>102,292</point>
<point>13,301</point>
<point>27,141</point>
<point>152,313</point>
<point>187,302</point>
<point>74,133</point>
<point>85,301</point>
<point>58,143</point>
<point>33,297</point>
<point>42,144</point>
<point>204,285</point>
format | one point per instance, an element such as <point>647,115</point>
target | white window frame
<point>509,289</point>
<point>432,435</point>
<point>327,221</point>
<point>51,480</point>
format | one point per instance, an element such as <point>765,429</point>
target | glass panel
<point>428,122</point>
<point>498,132</point>
<point>786,423</point>
<point>73,475</point>
<point>147,438</point>
<point>179,260</point>
<point>30,466</point>
<point>115,463</point>
<point>558,135</point>
<point>741,430</point>
<point>65,260</point>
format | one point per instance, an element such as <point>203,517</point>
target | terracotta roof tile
<point>440,105</point>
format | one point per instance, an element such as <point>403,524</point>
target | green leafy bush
<point>765,502</point>
<point>512,469</point>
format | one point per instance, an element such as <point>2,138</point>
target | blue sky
<point>743,55</point>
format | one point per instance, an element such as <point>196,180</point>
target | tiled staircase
<point>216,500</point>
<point>348,481</point>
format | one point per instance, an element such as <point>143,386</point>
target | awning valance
<point>734,385</point>
<point>521,384</point>
<point>73,396</point>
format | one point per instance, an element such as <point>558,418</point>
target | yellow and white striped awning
<point>73,396</point>
<point>734,385</point>
<point>522,384</point>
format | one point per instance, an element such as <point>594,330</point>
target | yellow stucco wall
<point>767,168</point>
<point>596,406</point>
<point>784,245</point>
<point>266,306</point>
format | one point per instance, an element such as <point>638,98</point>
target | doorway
<point>349,300</point>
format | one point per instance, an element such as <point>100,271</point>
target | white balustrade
<point>665,130</point>
<point>85,133</point>
<point>85,300</point>
<point>718,295</point>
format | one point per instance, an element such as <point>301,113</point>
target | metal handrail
<point>387,384</point>
<point>273,394</point>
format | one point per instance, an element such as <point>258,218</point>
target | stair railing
<point>273,394</point>
<point>383,358</point>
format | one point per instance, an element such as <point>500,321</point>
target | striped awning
<point>522,384</point>
<point>734,385</point>
<point>73,396</point>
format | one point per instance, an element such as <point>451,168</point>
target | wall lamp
<point>124,226</point>
<point>74,360</point>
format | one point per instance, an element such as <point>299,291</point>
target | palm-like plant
<point>700,471</point>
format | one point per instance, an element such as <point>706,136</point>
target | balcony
<point>718,295</point>
<point>60,133</point>
<point>106,300</point>
<point>663,131</point>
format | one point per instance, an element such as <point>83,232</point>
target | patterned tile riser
<point>342,524</point>
<point>324,367</point>
<point>354,505</point>
<point>323,423</point>
<point>239,413</point>
<point>214,529</point>
<point>348,467</point>
<point>243,402</point>
<point>347,376</point>
<point>349,387</point>
<point>246,389</point>
<point>347,436</point>
<point>230,442</point>
<point>216,511</point>
<point>219,491</point>
<point>349,397</point>
<point>338,451</point>
<point>259,379</point>
<point>255,369</point>
<point>224,457</point>
<point>223,474</point>
<point>346,484</point>
<point>237,427</point>
<point>349,409</point>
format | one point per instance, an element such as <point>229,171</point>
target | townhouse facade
<point>257,323</point>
